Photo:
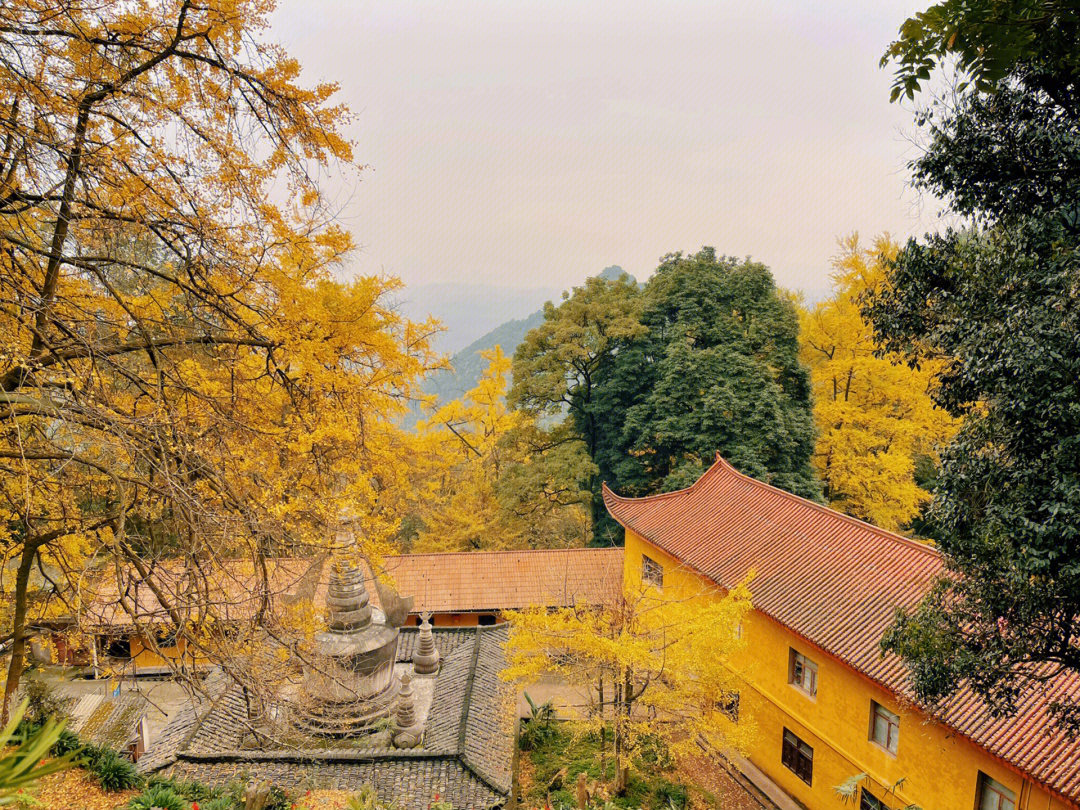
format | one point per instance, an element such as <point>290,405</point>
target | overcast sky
<point>529,144</point>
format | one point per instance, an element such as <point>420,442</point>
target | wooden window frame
<point>729,706</point>
<point>892,724</point>
<point>1006,799</point>
<point>868,801</point>
<point>798,667</point>
<point>652,572</point>
<point>794,757</point>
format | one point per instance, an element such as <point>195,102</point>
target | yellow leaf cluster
<point>464,455</point>
<point>874,415</point>
<point>657,665</point>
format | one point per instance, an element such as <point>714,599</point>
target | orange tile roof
<point>457,582</point>
<point>460,582</point>
<point>836,581</point>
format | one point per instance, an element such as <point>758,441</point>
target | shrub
<point>670,794</point>
<point>158,796</point>
<point>114,773</point>
<point>68,742</point>
<point>220,803</point>
<point>279,799</point>
<point>42,702</point>
<point>539,728</point>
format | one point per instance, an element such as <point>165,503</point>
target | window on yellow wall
<point>802,673</point>
<point>884,727</point>
<point>868,801</point>
<point>652,573</point>
<point>994,796</point>
<point>729,706</point>
<point>798,757</point>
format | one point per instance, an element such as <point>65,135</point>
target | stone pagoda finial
<point>347,600</point>
<point>406,734</point>
<point>425,656</point>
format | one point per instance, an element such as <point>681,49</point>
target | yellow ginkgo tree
<point>185,385</point>
<point>656,666</point>
<point>874,414</point>
<point>488,477</point>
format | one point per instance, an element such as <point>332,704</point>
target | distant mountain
<point>467,364</point>
<point>468,311</point>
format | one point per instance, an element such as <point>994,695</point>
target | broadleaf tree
<point>878,428</point>
<point>998,300</point>
<point>657,667</point>
<point>717,371</point>
<point>486,476</point>
<point>184,384</point>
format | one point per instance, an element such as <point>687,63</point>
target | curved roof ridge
<point>917,544</point>
<point>723,465</point>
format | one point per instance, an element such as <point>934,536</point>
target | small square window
<point>995,796</point>
<point>868,801</point>
<point>884,727</point>
<point>652,573</point>
<point>802,673</point>
<point>797,757</point>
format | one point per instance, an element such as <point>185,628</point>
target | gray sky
<point>529,144</point>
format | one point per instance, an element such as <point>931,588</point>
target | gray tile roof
<point>465,756</point>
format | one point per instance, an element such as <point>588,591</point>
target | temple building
<point>829,706</point>
<point>417,713</point>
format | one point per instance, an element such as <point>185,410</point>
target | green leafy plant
<point>539,726</point>
<point>848,790</point>
<point>158,796</point>
<point>22,767</point>
<point>114,773</point>
<point>66,743</point>
<point>220,803</point>
<point>42,702</point>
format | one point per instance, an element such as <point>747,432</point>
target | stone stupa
<point>350,684</point>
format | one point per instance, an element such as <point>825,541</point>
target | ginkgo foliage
<point>487,477</point>
<point>182,377</point>
<point>656,665</point>
<point>875,416</point>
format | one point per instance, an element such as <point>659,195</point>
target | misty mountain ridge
<point>457,306</point>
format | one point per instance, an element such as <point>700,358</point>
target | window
<point>116,647</point>
<point>994,795</point>
<point>486,619</point>
<point>884,727</point>
<point>797,757</point>
<point>868,801</point>
<point>729,706</point>
<point>652,573</point>
<point>802,672</point>
<point>164,639</point>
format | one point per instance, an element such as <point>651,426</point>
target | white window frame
<point>652,572</point>
<point>802,673</point>
<point>892,727</point>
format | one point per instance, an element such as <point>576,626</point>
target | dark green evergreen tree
<point>1001,299</point>
<point>717,371</point>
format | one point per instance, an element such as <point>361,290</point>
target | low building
<point>828,704</point>
<point>457,589</point>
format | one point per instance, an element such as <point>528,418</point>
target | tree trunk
<point>18,630</point>
<point>603,731</point>
<point>622,723</point>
